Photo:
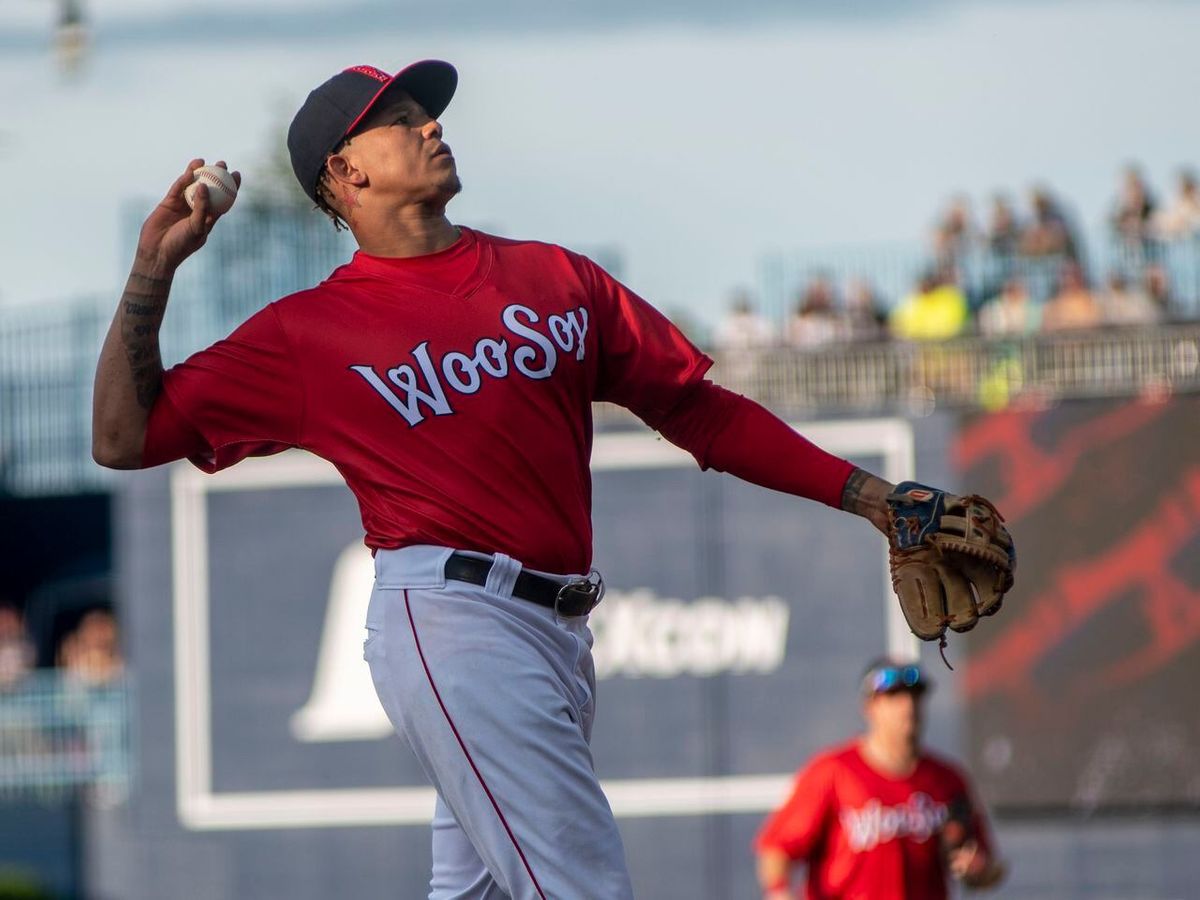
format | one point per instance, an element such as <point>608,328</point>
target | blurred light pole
<point>71,36</point>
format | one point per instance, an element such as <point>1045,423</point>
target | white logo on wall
<point>638,635</point>
<point>641,635</point>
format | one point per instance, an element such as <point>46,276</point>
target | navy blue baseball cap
<point>335,108</point>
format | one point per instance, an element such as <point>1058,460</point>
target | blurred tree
<point>274,184</point>
<point>687,322</point>
<point>16,885</point>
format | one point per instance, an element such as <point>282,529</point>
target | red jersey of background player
<point>868,835</point>
<point>453,393</point>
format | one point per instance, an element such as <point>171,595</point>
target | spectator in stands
<point>1012,313</point>
<point>16,650</point>
<point>1157,284</point>
<point>1073,306</point>
<point>1133,210</point>
<point>1048,233</point>
<point>1181,219</point>
<point>864,316</point>
<point>816,320</point>
<point>1003,237</point>
<point>954,232</point>
<point>1124,304</point>
<point>934,311</point>
<point>91,654</point>
<point>743,328</point>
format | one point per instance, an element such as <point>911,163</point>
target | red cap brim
<point>430,82</point>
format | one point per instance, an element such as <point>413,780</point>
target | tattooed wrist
<point>866,495</point>
<point>150,265</point>
<point>852,493</point>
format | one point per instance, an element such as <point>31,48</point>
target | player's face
<point>402,152</point>
<point>895,715</point>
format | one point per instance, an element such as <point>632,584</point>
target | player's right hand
<point>174,231</point>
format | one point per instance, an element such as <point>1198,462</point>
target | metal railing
<point>974,373</point>
<point>46,372</point>
<point>59,735</point>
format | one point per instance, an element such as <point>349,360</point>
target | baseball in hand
<point>222,189</point>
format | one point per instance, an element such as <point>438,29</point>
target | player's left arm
<point>731,433</point>
<point>866,495</point>
<point>971,856</point>
<point>975,867</point>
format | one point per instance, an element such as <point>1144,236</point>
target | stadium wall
<point>729,645</point>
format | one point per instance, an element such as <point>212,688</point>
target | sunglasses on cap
<point>894,678</point>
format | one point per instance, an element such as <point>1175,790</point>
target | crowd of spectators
<point>1014,275</point>
<point>64,708</point>
<point>16,649</point>
<point>87,654</point>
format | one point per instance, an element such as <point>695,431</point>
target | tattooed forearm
<point>142,307</point>
<point>138,309</point>
<point>866,495</point>
<point>852,497</point>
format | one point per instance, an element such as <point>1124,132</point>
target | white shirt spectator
<point>1010,314</point>
<point>1125,305</point>
<point>743,329</point>
<point>1181,218</point>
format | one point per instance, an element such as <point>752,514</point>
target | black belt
<point>575,598</point>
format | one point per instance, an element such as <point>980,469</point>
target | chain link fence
<point>971,373</point>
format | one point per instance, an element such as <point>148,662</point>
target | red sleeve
<point>241,397</point>
<point>976,816</point>
<point>169,436</point>
<point>646,363</point>
<point>980,827</point>
<point>731,433</point>
<point>982,830</point>
<point>797,827</point>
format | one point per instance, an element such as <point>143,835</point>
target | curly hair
<point>325,196</point>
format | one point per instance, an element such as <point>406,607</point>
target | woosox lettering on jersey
<point>536,358</point>
<point>919,817</point>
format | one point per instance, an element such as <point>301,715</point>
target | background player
<point>879,817</point>
<point>449,376</point>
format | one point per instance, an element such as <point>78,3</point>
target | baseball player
<point>879,817</point>
<point>449,375</point>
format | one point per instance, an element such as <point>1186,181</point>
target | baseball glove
<point>952,559</point>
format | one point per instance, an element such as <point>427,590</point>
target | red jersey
<point>869,836</point>
<point>416,377</point>
<point>453,393</point>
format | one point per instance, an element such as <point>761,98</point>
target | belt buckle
<point>590,589</point>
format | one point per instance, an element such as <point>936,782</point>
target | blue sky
<point>693,136</point>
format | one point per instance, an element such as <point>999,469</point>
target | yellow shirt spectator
<point>933,312</point>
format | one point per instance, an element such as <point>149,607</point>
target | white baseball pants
<point>496,697</point>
